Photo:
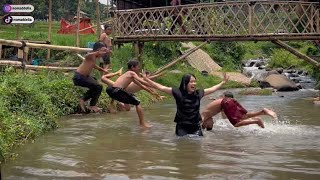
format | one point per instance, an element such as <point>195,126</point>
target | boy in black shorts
<point>117,90</point>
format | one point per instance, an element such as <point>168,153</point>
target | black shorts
<point>122,96</point>
<point>185,129</point>
<point>105,60</point>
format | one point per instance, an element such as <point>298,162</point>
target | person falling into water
<point>132,88</point>
<point>237,115</point>
<point>117,90</point>
<point>187,98</point>
<point>82,78</point>
<point>106,40</point>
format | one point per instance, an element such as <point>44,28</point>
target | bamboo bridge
<point>222,21</point>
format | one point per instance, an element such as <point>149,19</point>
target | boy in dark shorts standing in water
<point>117,90</point>
<point>237,115</point>
<point>82,77</point>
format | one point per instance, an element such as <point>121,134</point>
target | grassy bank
<point>31,104</point>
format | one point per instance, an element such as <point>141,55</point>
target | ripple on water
<point>50,172</point>
<point>47,158</point>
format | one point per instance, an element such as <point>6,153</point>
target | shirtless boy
<point>237,115</point>
<point>132,88</point>
<point>106,40</point>
<point>117,90</point>
<point>82,77</point>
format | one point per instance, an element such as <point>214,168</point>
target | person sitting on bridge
<point>82,77</point>
<point>118,90</point>
<point>237,115</point>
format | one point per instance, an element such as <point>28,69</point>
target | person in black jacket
<point>187,98</point>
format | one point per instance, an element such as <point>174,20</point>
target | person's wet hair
<point>185,81</point>
<point>228,94</point>
<point>97,46</point>
<point>132,63</point>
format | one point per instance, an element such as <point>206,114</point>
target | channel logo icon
<point>18,8</point>
<point>7,8</point>
<point>7,19</point>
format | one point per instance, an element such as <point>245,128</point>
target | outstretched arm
<point>216,87</point>
<point>137,80</point>
<point>158,86</point>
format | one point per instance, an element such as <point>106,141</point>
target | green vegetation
<point>228,55</point>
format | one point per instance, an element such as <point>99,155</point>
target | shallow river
<point>108,146</point>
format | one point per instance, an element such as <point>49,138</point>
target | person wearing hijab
<point>187,97</point>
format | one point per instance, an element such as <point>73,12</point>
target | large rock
<point>281,83</point>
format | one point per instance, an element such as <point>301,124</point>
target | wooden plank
<point>296,52</point>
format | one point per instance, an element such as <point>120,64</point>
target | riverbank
<point>31,104</point>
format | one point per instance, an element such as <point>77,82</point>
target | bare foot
<point>95,109</point>
<point>119,72</point>
<point>260,123</point>
<point>82,105</point>
<point>121,106</point>
<point>145,125</point>
<point>112,110</point>
<point>270,113</point>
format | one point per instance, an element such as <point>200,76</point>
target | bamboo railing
<point>227,21</point>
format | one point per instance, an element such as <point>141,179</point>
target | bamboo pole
<point>187,53</point>
<point>50,26</point>
<point>98,18</point>
<point>18,64</point>
<point>0,51</point>
<point>224,38</point>
<point>78,25</point>
<point>296,53</point>
<point>44,46</point>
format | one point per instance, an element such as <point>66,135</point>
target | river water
<point>109,146</point>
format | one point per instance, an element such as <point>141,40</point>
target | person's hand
<point>144,75</point>
<point>225,77</point>
<point>157,96</point>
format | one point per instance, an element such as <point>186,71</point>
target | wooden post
<point>98,18</point>
<point>78,25</point>
<point>250,18</point>
<point>138,51</point>
<point>296,53</point>
<point>0,51</point>
<point>50,26</point>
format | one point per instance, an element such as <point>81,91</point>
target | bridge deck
<point>227,21</point>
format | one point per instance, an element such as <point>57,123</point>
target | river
<point>112,146</point>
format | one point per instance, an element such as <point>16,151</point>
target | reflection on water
<point>111,146</point>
